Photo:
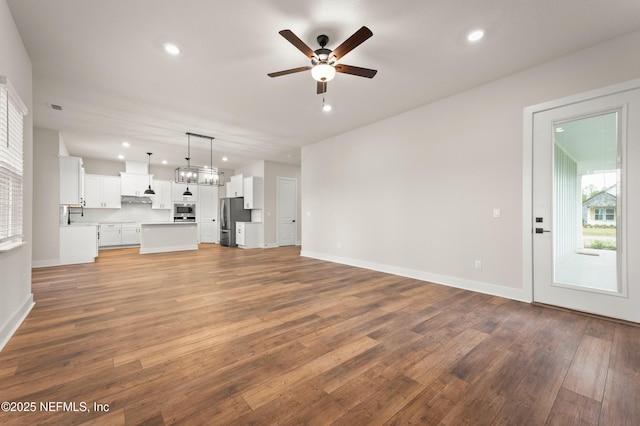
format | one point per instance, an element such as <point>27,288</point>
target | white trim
<point>9,328</point>
<point>45,263</point>
<point>164,249</point>
<point>10,245</point>
<point>527,168</point>
<point>475,286</point>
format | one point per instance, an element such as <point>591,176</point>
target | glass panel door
<point>585,201</point>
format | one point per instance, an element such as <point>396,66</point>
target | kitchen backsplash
<point>127,213</point>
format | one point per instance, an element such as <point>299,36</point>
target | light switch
<point>496,212</point>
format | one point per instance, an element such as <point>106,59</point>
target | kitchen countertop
<point>168,223</point>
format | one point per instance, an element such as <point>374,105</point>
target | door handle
<point>540,230</point>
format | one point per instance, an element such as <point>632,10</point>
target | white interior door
<point>586,204</point>
<point>208,214</point>
<point>287,211</point>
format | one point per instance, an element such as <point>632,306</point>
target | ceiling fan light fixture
<point>323,72</point>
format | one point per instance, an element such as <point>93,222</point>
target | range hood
<point>132,199</point>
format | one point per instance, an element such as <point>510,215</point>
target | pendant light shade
<point>187,193</point>
<point>149,191</point>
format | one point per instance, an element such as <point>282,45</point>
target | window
<point>12,112</point>
<point>599,213</point>
<point>610,215</point>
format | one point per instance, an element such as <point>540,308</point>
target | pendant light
<point>188,193</point>
<point>198,175</point>
<point>149,191</point>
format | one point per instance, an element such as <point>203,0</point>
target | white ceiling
<point>103,62</point>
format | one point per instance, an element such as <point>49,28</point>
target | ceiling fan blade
<point>291,71</point>
<point>360,72</point>
<point>352,42</point>
<point>321,87</point>
<point>295,40</point>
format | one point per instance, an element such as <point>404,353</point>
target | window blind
<point>12,112</point>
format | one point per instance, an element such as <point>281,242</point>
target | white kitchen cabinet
<point>71,180</point>
<point>177,189</point>
<point>248,234</point>
<point>102,192</point>
<point>134,184</point>
<point>235,186</point>
<point>110,234</point>
<point>78,244</point>
<point>130,234</point>
<point>163,197</point>
<point>252,189</point>
<point>207,214</point>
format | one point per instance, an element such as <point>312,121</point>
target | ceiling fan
<point>324,62</point>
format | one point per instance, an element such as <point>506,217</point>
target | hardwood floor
<point>231,336</point>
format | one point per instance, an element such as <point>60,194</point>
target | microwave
<point>184,212</point>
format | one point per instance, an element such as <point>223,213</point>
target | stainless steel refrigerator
<point>231,211</point>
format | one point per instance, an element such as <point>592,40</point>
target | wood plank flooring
<point>239,337</point>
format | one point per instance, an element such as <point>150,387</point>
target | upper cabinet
<point>102,192</point>
<point>235,187</point>
<point>71,180</point>
<point>134,184</point>
<point>252,189</point>
<point>162,199</point>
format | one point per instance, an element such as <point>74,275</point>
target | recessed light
<point>475,35</point>
<point>126,144</point>
<point>171,49</point>
<point>164,161</point>
<point>225,159</point>
<point>120,157</point>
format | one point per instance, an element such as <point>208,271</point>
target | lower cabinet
<point>110,234</point>
<point>130,234</point>
<point>248,234</point>
<point>119,234</point>
<point>78,244</point>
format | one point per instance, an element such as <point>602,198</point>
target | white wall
<point>414,194</point>
<point>46,196</point>
<point>16,298</point>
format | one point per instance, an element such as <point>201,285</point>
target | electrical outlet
<point>478,264</point>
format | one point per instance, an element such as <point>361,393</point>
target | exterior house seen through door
<point>586,202</point>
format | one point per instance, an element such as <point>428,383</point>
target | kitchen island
<point>160,237</point>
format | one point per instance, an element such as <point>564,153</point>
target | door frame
<point>527,169</point>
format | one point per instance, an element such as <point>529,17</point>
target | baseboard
<point>471,285</point>
<point>45,263</point>
<point>11,326</point>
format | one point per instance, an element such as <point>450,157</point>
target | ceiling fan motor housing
<point>322,55</point>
